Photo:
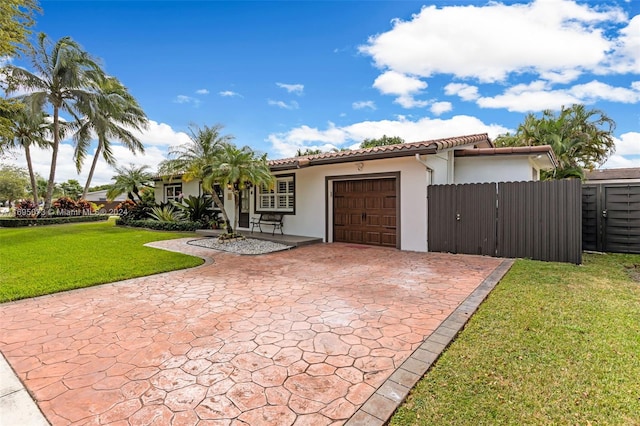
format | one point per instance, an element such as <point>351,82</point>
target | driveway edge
<point>16,405</point>
<point>378,409</point>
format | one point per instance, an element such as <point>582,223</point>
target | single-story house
<point>628,176</point>
<point>100,198</point>
<point>377,195</point>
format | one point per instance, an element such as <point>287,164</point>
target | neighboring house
<point>624,176</point>
<point>377,195</point>
<point>100,198</point>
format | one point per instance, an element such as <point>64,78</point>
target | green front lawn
<point>43,260</point>
<point>553,344</point>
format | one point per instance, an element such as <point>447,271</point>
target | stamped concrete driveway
<point>297,337</point>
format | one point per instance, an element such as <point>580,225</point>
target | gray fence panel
<point>476,219</point>
<point>591,218</point>
<point>442,218</point>
<point>540,220</point>
<point>622,221</point>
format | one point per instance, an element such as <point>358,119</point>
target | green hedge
<point>161,226</point>
<point>15,222</point>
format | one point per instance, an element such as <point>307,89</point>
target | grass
<point>43,260</point>
<point>553,344</point>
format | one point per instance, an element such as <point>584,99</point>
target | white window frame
<point>177,190</point>
<point>281,198</point>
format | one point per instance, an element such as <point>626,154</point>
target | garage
<point>365,211</point>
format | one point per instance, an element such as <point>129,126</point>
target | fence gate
<point>462,218</point>
<point>611,218</point>
<point>537,220</point>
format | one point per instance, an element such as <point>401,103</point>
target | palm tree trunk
<point>236,201</point>
<point>54,160</point>
<point>93,168</point>
<point>32,176</point>
<point>220,205</point>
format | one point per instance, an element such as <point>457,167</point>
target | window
<point>218,190</point>
<point>172,192</point>
<point>280,198</point>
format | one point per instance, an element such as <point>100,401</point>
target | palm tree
<point>192,159</point>
<point>580,138</point>
<point>130,180</point>
<point>64,75</point>
<point>29,128</point>
<point>237,169</point>
<point>111,114</point>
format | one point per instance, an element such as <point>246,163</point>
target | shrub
<point>19,222</point>
<point>26,208</point>
<point>166,213</point>
<point>160,226</point>
<point>85,206</point>
<point>197,209</point>
<point>65,206</point>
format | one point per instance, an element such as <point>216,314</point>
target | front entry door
<point>243,219</point>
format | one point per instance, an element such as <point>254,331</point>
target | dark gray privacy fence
<point>611,218</point>
<point>536,220</point>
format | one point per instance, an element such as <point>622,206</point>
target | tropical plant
<point>111,114</point>
<point>384,140</point>
<point>65,206</point>
<point>13,183</point>
<point>16,20</point>
<point>64,75</point>
<point>166,213</point>
<point>29,128</point>
<point>26,208</point>
<point>196,209</point>
<point>130,180</point>
<point>580,138</point>
<point>237,169</point>
<point>71,188</point>
<point>192,160</point>
<point>307,151</point>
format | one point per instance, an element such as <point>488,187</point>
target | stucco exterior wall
<point>314,207</point>
<point>494,169</point>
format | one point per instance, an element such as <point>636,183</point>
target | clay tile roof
<point>606,174</point>
<point>388,151</point>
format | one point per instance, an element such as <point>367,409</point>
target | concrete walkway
<point>323,334</point>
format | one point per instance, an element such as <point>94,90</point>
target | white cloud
<point>628,144</point>
<point>287,143</point>
<point>490,42</point>
<point>161,134</point>
<point>229,94</point>
<point>404,86</point>
<point>184,99</point>
<point>626,58</point>
<point>283,105</point>
<point>438,108</point>
<point>363,105</point>
<point>292,88</point>
<point>464,91</point>
<point>539,95</point>
<point>202,92</point>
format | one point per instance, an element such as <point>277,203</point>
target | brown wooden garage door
<point>364,211</point>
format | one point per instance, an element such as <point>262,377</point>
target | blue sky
<point>286,75</point>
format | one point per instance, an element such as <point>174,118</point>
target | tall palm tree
<point>111,114</point>
<point>29,128</point>
<point>237,169</point>
<point>64,75</point>
<point>130,180</point>
<point>192,159</point>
